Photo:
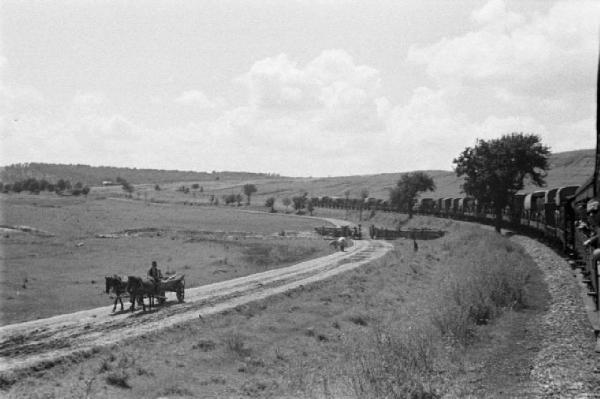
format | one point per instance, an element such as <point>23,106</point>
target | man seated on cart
<point>154,273</point>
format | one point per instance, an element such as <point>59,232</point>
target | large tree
<point>125,185</point>
<point>300,202</point>
<point>408,188</point>
<point>270,203</point>
<point>495,170</point>
<point>249,189</point>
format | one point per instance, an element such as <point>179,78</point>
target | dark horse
<point>137,288</point>
<point>118,287</point>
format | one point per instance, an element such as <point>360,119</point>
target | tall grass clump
<point>393,363</point>
<point>489,277</point>
<point>418,355</point>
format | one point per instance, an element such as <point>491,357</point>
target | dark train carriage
<point>370,203</point>
<point>465,205</point>
<point>338,202</point>
<point>533,206</point>
<point>455,206</point>
<point>447,207</point>
<point>549,214</point>
<point>426,205</point>
<point>439,205</point>
<point>565,217</point>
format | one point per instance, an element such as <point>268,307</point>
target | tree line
<point>95,175</point>
<point>35,186</point>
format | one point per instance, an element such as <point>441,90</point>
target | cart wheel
<point>181,292</point>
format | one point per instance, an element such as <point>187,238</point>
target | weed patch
<point>118,379</point>
<point>204,345</point>
<point>234,343</point>
<point>176,391</point>
<point>359,319</point>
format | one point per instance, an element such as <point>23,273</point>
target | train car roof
<point>564,193</point>
<point>550,195</point>
<point>585,191</point>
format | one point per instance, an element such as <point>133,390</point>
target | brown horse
<point>137,288</point>
<point>118,287</point>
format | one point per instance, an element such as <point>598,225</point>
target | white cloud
<point>338,94</point>
<point>278,83</point>
<point>197,99</point>
<point>512,72</point>
<point>549,53</point>
<point>494,15</point>
<point>19,100</point>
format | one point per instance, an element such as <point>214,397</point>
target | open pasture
<point>59,266</point>
<point>321,340</point>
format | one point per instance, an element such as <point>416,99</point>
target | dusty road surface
<point>41,342</point>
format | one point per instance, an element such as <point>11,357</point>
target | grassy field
<point>409,324</point>
<point>60,265</point>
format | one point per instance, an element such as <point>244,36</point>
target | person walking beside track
<point>341,243</point>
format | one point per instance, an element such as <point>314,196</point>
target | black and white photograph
<point>299,199</point>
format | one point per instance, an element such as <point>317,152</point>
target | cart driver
<point>154,273</point>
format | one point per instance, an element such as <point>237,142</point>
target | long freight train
<point>556,215</point>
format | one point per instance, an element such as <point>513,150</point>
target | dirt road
<point>44,341</point>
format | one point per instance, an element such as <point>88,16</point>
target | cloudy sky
<point>299,87</point>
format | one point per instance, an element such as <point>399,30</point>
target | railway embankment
<point>566,364</point>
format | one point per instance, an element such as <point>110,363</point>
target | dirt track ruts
<point>38,342</point>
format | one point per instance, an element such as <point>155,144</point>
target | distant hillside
<point>566,168</point>
<point>95,175</point>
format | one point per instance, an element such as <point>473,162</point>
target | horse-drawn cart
<point>136,288</point>
<point>174,283</point>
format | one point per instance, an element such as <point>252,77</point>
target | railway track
<point>39,343</point>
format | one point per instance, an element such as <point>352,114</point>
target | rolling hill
<point>566,168</point>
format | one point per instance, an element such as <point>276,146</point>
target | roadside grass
<point>270,253</point>
<point>377,331</point>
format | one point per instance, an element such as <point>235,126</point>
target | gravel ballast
<point>566,366</point>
